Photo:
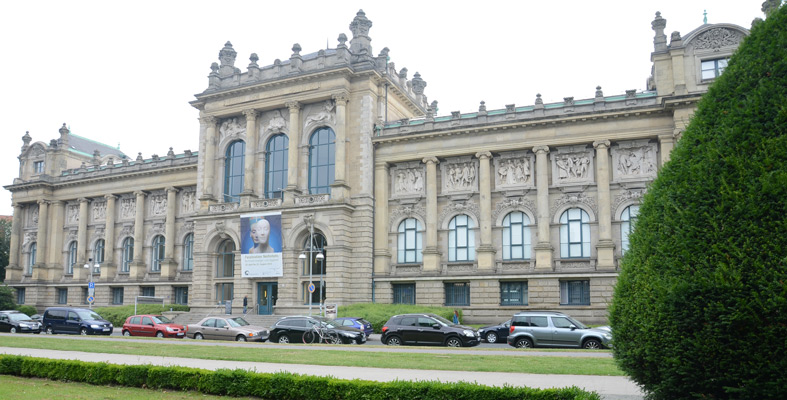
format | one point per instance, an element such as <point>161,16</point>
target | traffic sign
<point>91,285</point>
<point>311,288</point>
<point>90,299</point>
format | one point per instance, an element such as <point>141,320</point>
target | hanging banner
<point>261,244</point>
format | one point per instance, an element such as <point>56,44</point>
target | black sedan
<point>17,322</point>
<point>495,333</point>
<point>291,330</point>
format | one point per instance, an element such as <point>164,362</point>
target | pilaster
<point>138,268</point>
<point>251,152</point>
<point>543,248</point>
<point>382,254</point>
<point>14,271</point>
<point>169,265</point>
<point>292,153</point>
<point>39,270</point>
<point>485,251</point>
<point>56,235</point>
<point>79,270</point>
<point>605,248</point>
<point>109,269</point>
<point>209,170</point>
<point>339,188</point>
<point>431,254</point>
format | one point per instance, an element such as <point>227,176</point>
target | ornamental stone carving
<point>34,215</point>
<point>324,114</point>
<point>459,175</point>
<point>275,124</point>
<point>574,199</point>
<point>407,180</point>
<point>232,127</point>
<point>156,229</point>
<point>572,165</point>
<point>626,197</point>
<point>223,207</point>
<point>407,212</point>
<point>72,214</point>
<point>29,237</point>
<point>186,228</point>
<point>514,171</point>
<point>312,199</point>
<point>716,38</point>
<point>188,202</point>
<point>128,207</point>
<point>99,210</point>
<point>512,204</point>
<point>97,234</point>
<point>633,161</point>
<point>127,231</point>
<point>266,203</point>
<point>459,208</point>
<point>158,204</point>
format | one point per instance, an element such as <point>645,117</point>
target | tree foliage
<point>5,245</point>
<point>700,308</point>
<point>7,298</point>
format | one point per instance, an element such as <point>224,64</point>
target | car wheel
<point>524,343</point>
<point>394,341</point>
<point>284,339</point>
<point>592,344</point>
<point>453,342</point>
<point>83,331</point>
<point>491,337</point>
<point>49,330</point>
<point>126,333</point>
<point>198,336</point>
<point>159,334</point>
<point>13,329</point>
<point>240,338</point>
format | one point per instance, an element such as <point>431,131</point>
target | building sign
<point>261,244</point>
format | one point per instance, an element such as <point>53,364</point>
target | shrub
<point>29,310</point>
<point>378,314</point>
<point>700,307</point>
<point>117,315</point>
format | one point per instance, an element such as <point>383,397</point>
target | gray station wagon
<point>555,329</point>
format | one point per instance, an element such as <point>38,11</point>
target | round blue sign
<point>311,288</point>
<point>90,299</point>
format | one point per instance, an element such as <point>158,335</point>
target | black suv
<point>427,329</point>
<point>17,322</point>
<point>291,330</point>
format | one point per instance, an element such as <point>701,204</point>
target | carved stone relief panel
<point>33,215</point>
<point>510,204</point>
<point>574,199</point>
<point>514,171</point>
<point>466,207</point>
<point>72,214</point>
<point>28,238</point>
<point>232,126</point>
<point>99,210</point>
<point>459,175</point>
<point>406,211</point>
<point>188,202</point>
<point>408,180</point>
<point>633,161</point>
<point>572,165</point>
<point>128,207</point>
<point>158,204</point>
<point>319,114</point>
<point>273,122</point>
<point>625,197</point>
<point>716,38</point>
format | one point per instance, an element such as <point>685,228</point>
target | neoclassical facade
<point>527,207</point>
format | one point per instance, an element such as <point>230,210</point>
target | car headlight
<point>607,336</point>
<point>468,332</point>
<point>169,329</point>
<point>94,326</point>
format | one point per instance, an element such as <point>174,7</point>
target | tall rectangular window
<point>224,291</point>
<point>457,293</point>
<point>38,167</point>
<point>181,295</point>
<point>713,68</point>
<point>62,295</point>
<point>188,252</point>
<point>404,293</point>
<point>117,295</point>
<point>128,254</point>
<point>20,296</point>
<point>157,253</point>
<point>575,293</point>
<point>513,293</point>
<point>149,291</point>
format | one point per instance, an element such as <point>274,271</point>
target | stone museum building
<point>381,199</point>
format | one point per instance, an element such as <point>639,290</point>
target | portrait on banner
<point>261,245</point>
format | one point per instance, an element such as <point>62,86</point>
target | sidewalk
<point>609,387</point>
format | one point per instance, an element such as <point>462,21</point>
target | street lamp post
<point>90,267</point>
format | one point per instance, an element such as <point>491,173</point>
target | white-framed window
<point>188,252</point>
<point>627,218</point>
<point>711,69</point>
<point>575,234</point>
<point>38,167</point>
<point>98,255</point>
<point>410,241</point>
<point>461,239</point>
<point>516,236</point>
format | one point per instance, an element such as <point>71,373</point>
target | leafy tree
<point>5,244</point>
<point>700,307</point>
<point>7,298</point>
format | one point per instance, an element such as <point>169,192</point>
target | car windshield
<point>577,323</point>
<point>236,322</point>
<point>442,320</point>
<point>88,315</point>
<point>18,317</point>
<point>328,323</point>
<point>160,319</point>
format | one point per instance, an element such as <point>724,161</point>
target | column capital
<point>56,202</point>
<point>250,113</point>
<point>541,149</point>
<point>430,159</point>
<point>139,193</point>
<point>483,154</point>
<point>110,196</point>
<point>172,189</point>
<point>601,144</point>
<point>208,120</point>
<point>340,98</point>
<point>83,200</point>
<point>293,105</point>
<point>42,201</point>
<point>17,205</point>
<point>380,165</point>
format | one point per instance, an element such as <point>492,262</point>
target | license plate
<point>180,333</point>
<point>363,339</point>
<point>106,329</point>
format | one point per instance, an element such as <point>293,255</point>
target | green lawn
<point>18,388</point>
<point>299,355</point>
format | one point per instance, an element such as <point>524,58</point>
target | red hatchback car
<point>152,325</point>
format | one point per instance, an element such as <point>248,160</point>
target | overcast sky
<point>123,73</point>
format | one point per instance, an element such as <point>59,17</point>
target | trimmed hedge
<point>378,314</point>
<point>280,385</point>
<point>29,310</point>
<point>700,307</point>
<point>117,315</point>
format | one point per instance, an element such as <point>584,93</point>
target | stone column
<point>382,254</point>
<point>666,144</point>
<point>109,268</point>
<point>14,270</point>
<point>169,265</point>
<point>544,247</point>
<point>138,268</point>
<point>430,252</point>
<point>339,188</point>
<point>79,271</point>
<point>39,270</point>
<point>249,182</point>
<point>209,172</point>
<point>486,251</point>
<point>294,137</point>
<point>605,249</point>
<point>56,240</point>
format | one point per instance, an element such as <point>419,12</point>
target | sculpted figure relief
<point>636,161</point>
<point>99,211</point>
<point>460,176</point>
<point>231,127</point>
<point>572,166</point>
<point>322,116</point>
<point>73,214</point>
<point>159,204</point>
<point>127,208</point>
<point>187,202</point>
<point>277,123</point>
<point>514,171</point>
<point>409,180</point>
<point>34,215</point>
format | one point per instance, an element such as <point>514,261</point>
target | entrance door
<point>267,292</point>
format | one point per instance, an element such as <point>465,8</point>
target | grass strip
<point>257,353</point>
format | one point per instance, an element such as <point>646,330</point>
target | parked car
<point>291,330</point>
<point>427,329</point>
<point>152,325</point>
<point>555,329</point>
<point>356,322</point>
<point>226,328</point>
<point>75,321</point>
<point>495,333</point>
<point>17,322</point>
<point>37,318</point>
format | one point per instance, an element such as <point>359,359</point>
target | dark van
<point>75,321</point>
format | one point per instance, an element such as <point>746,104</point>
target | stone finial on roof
<point>675,39</point>
<point>342,40</point>
<point>139,157</point>
<point>403,73</point>
<point>384,52</point>
<point>660,39</point>
<point>227,55</point>
<point>187,153</point>
<point>53,143</point>
<point>361,42</point>
<point>154,157</point>
<point>434,106</point>
<point>539,100</point>
<point>96,157</point>
<point>599,93</point>
<point>253,58</point>
<point>170,153</point>
<point>296,49</point>
<point>26,139</point>
<point>418,84</point>
<point>214,82</point>
<point>83,166</point>
<point>482,106</point>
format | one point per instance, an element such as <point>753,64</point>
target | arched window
<point>188,252</point>
<point>628,218</point>
<point>233,171</point>
<point>410,241</point>
<point>321,160</point>
<point>575,234</point>
<point>461,239</point>
<point>72,257</point>
<point>225,261</point>
<point>128,254</point>
<point>276,166</point>
<point>98,255</point>
<point>32,260</point>
<point>516,236</point>
<point>157,255</point>
<point>318,244</point>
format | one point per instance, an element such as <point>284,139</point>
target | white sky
<point>123,73</point>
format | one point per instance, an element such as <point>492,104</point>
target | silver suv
<point>554,329</point>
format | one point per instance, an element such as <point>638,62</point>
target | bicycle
<point>320,334</point>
